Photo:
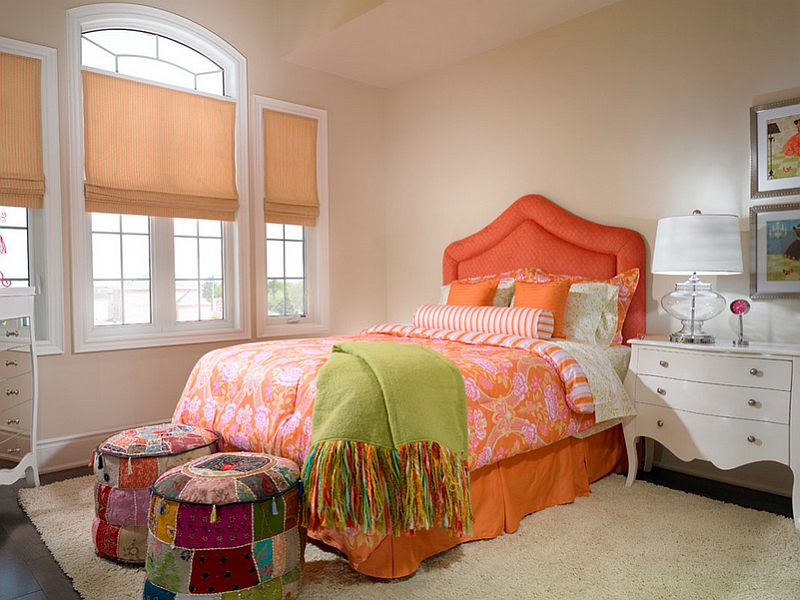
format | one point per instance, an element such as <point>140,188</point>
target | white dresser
<point>730,406</point>
<point>18,386</point>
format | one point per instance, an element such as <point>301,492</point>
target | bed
<point>515,467</point>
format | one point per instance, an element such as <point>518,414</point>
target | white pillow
<point>591,313</point>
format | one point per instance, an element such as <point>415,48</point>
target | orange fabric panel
<point>535,232</point>
<point>550,296</point>
<point>467,293</point>
<point>502,494</point>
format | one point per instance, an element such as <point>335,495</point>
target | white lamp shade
<point>702,244</point>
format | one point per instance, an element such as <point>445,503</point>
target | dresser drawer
<point>17,417</point>
<point>14,362</point>
<point>15,390</point>
<point>713,399</point>
<point>14,444</point>
<point>15,330</point>
<point>724,441</point>
<point>717,368</point>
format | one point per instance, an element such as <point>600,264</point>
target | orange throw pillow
<point>550,296</point>
<point>479,293</point>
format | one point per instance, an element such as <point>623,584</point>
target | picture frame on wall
<point>775,149</point>
<point>775,251</point>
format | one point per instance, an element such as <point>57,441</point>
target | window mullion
<point>162,273</point>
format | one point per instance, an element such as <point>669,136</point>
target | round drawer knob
<point>751,439</point>
<point>752,402</point>
<point>754,371</point>
<point>659,423</point>
<point>661,391</point>
<point>663,363</point>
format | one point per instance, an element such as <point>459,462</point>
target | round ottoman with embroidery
<point>125,466</point>
<point>226,526</point>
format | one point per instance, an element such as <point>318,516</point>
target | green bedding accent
<point>389,442</point>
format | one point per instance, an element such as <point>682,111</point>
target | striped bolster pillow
<point>526,322</point>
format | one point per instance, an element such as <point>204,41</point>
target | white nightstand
<point>727,405</point>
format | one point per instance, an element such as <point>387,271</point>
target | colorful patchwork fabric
<point>126,464</point>
<point>226,526</point>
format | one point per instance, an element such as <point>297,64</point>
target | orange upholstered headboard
<point>534,232</point>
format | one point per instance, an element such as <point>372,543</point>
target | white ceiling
<point>401,39</point>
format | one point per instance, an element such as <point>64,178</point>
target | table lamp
<point>694,245</point>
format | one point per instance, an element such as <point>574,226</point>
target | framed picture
<point>775,149</point>
<point>775,251</point>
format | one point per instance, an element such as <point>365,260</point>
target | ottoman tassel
<point>214,513</point>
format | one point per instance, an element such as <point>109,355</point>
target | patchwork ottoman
<point>125,466</point>
<point>226,526</point>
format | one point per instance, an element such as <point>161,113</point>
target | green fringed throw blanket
<point>388,443</point>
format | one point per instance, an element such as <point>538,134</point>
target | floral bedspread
<point>521,394</point>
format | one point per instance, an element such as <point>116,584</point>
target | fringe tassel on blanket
<point>358,486</point>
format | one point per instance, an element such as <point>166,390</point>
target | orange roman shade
<point>21,162</point>
<point>290,169</point>
<point>156,151</point>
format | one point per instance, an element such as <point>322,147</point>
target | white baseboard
<point>70,451</point>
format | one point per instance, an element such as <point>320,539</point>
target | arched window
<point>157,259</point>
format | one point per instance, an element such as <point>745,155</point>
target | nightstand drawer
<point>724,441</point>
<point>713,399</point>
<point>717,368</point>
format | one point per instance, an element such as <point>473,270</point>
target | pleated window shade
<point>290,169</point>
<point>21,162</point>
<point>151,150</point>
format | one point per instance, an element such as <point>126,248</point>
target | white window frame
<point>44,226</point>
<point>317,322</point>
<point>236,324</point>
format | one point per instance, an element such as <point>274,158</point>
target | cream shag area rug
<point>643,542</point>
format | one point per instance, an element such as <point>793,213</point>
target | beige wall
<point>634,112</point>
<point>86,396</point>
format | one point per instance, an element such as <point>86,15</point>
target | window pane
<point>14,261</point>
<point>209,228</point>
<point>294,259</point>
<point>13,216</point>
<point>274,231</point>
<point>98,58</point>
<point>124,41</point>
<point>274,259</point>
<point>295,297</point>
<point>185,226</point>
<point>106,256</point>
<point>294,232</point>
<point>105,222</point>
<point>191,60</point>
<point>186,258</point>
<point>155,70</point>
<point>211,83</point>
<point>135,257</point>
<point>136,302</point>
<point>135,224</point>
<point>210,258</point>
<point>186,300</point>
<point>275,297</point>
<point>211,299</point>
<point>108,303</point>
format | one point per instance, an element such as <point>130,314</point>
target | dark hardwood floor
<point>28,571</point>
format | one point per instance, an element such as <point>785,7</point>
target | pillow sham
<point>502,295</point>
<point>526,322</point>
<point>626,283</point>
<point>472,293</point>
<point>551,295</point>
<point>591,313</point>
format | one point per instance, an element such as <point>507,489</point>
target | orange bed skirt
<point>502,494</point>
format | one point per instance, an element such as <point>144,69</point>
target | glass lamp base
<point>691,337</point>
